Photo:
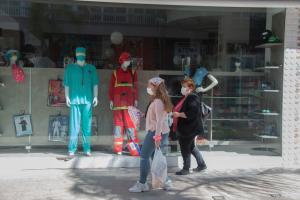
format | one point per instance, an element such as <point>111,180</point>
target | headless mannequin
<point>124,67</point>
<point>81,63</point>
<point>213,80</point>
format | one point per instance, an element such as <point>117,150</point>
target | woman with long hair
<point>157,130</point>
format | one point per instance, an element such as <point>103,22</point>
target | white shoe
<point>71,154</point>
<point>119,153</point>
<point>168,185</point>
<point>88,154</point>
<point>139,187</point>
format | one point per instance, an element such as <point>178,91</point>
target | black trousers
<point>188,147</point>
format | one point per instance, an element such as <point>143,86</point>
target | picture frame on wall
<point>23,125</point>
<point>58,128</point>
<point>56,93</point>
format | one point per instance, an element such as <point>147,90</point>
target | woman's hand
<point>177,114</point>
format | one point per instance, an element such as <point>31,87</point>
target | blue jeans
<point>147,152</point>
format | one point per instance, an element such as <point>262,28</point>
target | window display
<point>123,92</point>
<point>81,91</point>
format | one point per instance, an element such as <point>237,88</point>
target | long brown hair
<point>162,94</point>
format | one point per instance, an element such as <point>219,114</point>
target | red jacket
<point>123,89</point>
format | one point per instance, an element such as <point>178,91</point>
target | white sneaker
<point>88,154</point>
<point>71,154</point>
<point>139,187</point>
<point>119,153</point>
<point>168,185</point>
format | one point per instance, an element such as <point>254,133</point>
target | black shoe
<point>200,168</point>
<point>183,172</point>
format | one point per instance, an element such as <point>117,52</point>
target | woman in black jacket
<point>188,124</point>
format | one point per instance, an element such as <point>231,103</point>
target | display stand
<point>28,147</point>
<point>271,90</point>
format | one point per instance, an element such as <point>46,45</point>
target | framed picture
<point>23,125</point>
<point>58,128</point>
<point>56,93</point>
<point>94,126</point>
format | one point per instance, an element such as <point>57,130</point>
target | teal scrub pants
<point>80,115</point>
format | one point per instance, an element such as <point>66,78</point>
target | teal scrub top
<point>81,82</point>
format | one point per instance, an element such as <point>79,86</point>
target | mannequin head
<point>12,56</point>
<point>199,59</point>
<point>237,62</point>
<point>188,61</point>
<point>124,60</point>
<point>80,55</point>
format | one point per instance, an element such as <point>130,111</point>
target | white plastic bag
<point>158,169</point>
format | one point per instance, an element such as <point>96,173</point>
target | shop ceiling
<point>205,3</point>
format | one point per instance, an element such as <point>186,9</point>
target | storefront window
<point>228,42</point>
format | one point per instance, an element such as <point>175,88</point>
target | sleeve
<point>111,87</point>
<point>159,109</point>
<point>95,76</point>
<point>192,107</point>
<point>66,77</point>
<point>135,85</point>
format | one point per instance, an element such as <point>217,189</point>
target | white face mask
<point>149,91</point>
<point>184,91</point>
<point>14,59</point>
<point>80,62</point>
<point>125,65</point>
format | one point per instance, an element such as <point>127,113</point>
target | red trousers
<point>123,124</point>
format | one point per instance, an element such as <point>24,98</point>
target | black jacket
<point>192,125</point>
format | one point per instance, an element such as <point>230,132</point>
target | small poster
<point>23,125</point>
<point>56,94</point>
<point>58,128</point>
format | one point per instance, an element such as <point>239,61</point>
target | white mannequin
<point>13,60</point>
<point>237,66</point>
<point>95,92</point>
<point>213,79</point>
<point>214,82</point>
<point>124,67</point>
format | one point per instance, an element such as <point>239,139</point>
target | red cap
<point>124,57</point>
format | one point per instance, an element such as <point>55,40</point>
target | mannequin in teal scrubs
<point>81,90</point>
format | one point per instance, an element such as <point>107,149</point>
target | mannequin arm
<point>68,101</point>
<point>214,82</point>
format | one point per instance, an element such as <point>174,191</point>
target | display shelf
<point>267,114</point>
<point>266,136</point>
<point>268,45</point>
<point>234,119</point>
<point>269,91</point>
<point>217,97</point>
<point>225,97</point>
<point>237,74</point>
<point>266,68</point>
